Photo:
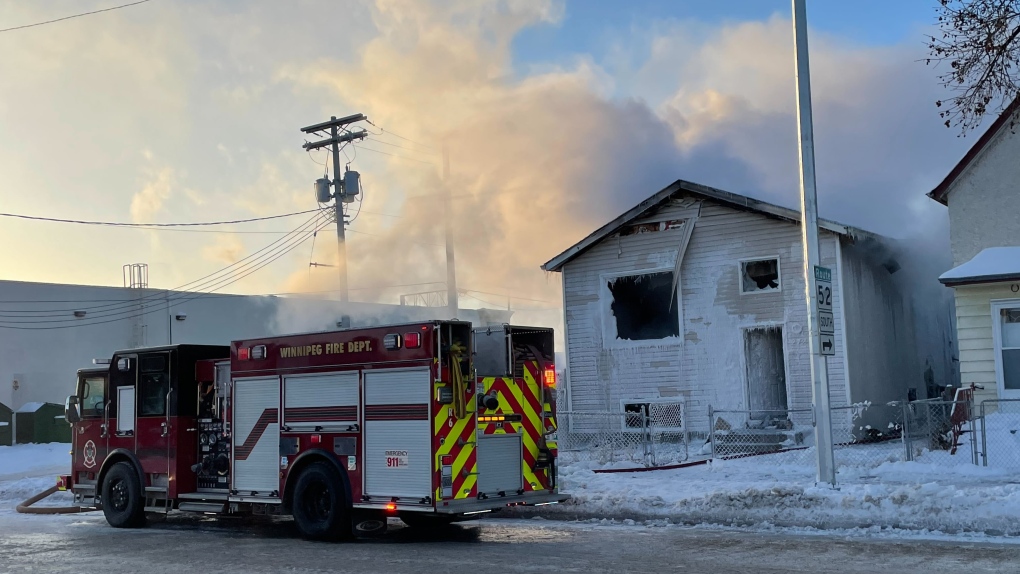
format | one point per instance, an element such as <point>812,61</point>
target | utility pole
<point>813,272</point>
<point>340,192</point>
<point>451,267</point>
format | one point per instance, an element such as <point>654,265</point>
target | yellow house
<point>982,193</point>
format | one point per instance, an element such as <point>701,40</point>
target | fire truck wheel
<point>320,504</point>
<point>122,497</point>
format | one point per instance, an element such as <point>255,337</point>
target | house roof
<point>725,197</point>
<point>941,191</point>
<point>991,265</point>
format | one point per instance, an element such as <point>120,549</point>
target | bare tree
<point>979,42</point>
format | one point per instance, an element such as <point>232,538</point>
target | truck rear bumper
<point>474,505</point>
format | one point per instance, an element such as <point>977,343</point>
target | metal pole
<point>451,266</point>
<point>341,240</point>
<point>809,234</point>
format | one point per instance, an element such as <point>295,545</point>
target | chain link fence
<point>864,435</point>
<point>1000,434</point>
<point>737,434</point>
<point>654,435</point>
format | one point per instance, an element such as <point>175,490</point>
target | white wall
<point>985,200</point>
<point>44,361</point>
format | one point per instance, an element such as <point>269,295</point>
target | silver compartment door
<point>398,434</point>
<point>500,468</point>
<point>256,439</point>
<point>327,402</point>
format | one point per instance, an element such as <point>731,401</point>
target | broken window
<point>759,275</point>
<point>644,307</point>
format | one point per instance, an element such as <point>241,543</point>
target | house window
<point>644,306</point>
<point>759,276</point>
<point>635,415</point>
<point>1010,348</point>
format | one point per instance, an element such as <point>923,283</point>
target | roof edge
<point>725,197</point>
<point>941,191</point>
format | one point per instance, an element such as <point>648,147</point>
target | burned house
<point>697,295</point>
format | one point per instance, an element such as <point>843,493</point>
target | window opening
<point>643,307</point>
<point>760,275</point>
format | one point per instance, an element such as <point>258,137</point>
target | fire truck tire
<point>122,497</point>
<point>320,504</point>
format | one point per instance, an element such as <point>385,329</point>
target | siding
<point>984,201</point>
<point>706,364</point>
<point>882,359</point>
<point>974,331</point>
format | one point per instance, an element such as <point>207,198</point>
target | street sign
<point>826,324</point>
<point>823,288</point>
<point>827,345</point>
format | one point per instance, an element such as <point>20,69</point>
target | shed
<point>6,414</point>
<point>42,423</point>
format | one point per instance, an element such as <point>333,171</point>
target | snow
<point>990,263</point>
<point>27,469</point>
<point>876,489</point>
<point>30,407</point>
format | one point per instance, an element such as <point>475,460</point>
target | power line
<point>165,303</point>
<point>122,224</point>
<point>402,147</point>
<point>73,16</point>
<point>302,229</point>
<point>384,130</point>
<point>393,154</point>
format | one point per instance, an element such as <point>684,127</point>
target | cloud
<point>226,249</point>
<point>149,201</point>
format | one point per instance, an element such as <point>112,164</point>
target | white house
<point>982,193</point>
<point>49,331</point>
<point>734,334</point>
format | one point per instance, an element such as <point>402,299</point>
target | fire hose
<point>25,507</point>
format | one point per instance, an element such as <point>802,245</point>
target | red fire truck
<point>430,422</point>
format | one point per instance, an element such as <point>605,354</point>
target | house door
<point>1007,349</point>
<point>766,371</point>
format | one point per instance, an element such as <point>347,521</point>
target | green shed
<point>42,423</point>
<point>6,414</point>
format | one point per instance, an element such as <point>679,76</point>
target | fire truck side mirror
<point>71,414</point>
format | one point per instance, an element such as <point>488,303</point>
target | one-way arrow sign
<point>827,344</point>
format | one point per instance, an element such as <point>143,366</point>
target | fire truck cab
<point>341,429</point>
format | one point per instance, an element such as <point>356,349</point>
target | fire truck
<point>430,422</point>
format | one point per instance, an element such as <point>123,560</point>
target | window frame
<point>649,402</point>
<point>997,306</point>
<point>83,385</point>
<point>740,274</point>
<point>610,334</point>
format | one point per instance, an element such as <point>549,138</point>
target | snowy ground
<point>878,495</point>
<point>26,470</point>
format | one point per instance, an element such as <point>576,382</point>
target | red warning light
<point>412,340</point>
<point>391,506</point>
<point>242,353</point>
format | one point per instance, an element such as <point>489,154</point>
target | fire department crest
<point>90,454</point>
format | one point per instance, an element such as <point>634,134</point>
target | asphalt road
<point>84,543</point>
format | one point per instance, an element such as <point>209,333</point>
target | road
<point>196,545</point>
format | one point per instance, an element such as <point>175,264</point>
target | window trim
<point>740,274</point>
<point>997,305</point>
<point>606,310</point>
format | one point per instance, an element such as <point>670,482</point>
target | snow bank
<point>780,490</point>
<point>27,469</point>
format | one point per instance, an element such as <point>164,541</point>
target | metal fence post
<point>711,430</point>
<point>905,432</point>
<point>984,436</point>
<point>646,437</point>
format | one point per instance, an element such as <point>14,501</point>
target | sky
<point>557,115</point>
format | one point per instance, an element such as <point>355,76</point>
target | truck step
<point>218,508</point>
